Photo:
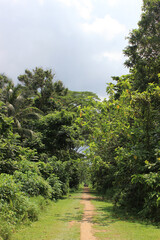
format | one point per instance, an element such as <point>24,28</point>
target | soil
<point>86,224</point>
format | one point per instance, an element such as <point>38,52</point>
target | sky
<point>82,41</point>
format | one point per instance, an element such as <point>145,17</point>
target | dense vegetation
<point>124,139</point>
<point>39,157</point>
<point>43,125</point>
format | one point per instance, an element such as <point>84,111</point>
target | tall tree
<point>5,85</point>
<point>38,84</point>
<point>20,109</point>
<point>143,51</point>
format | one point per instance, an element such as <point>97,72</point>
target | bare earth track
<point>86,224</point>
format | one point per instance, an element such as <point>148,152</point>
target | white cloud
<point>113,3</point>
<point>66,2</point>
<point>17,2</point>
<point>107,27</point>
<point>41,2</point>
<point>111,56</point>
<point>14,1</point>
<point>83,7</point>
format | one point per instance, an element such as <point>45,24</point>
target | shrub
<point>26,166</point>
<point>45,169</point>
<point>33,184</point>
<point>15,207</point>
<point>5,230</point>
<point>8,188</point>
<point>56,185</point>
<point>40,202</point>
<point>61,171</point>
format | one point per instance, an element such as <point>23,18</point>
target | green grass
<point>113,224</point>
<point>61,221</point>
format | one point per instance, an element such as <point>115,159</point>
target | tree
<point>143,51</point>
<point>38,84</point>
<point>5,85</point>
<point>59,89</point>
<point>19,108</point>
<point>58,134</point>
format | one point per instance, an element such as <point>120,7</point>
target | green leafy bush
<point>15,207</point>
<point>59,168</point>
<point>33,184</point>
<point>45,169</point>
<point>19,210</point>
<point>149,183</point>
<point>40,202</point>
<point>9,190</point>
<point>56,185</point>
<point>5,230</point>
<point>25,166</point>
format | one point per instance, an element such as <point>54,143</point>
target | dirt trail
<point>86,224</point>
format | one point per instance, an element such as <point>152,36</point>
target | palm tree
<point>20,109</point>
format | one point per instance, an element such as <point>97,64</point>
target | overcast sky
<point>81,40</point>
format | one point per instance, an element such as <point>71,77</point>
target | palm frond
<point>11,109</point>
<point>25,132</point>
<point>17,123</point>
<point>33,116</point>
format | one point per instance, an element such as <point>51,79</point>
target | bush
<point>56,185</point>
<point>5,230</point>
<point>15,207</point>
<point>61,171</point>
<point>33,184</point>
<point>25,166</point>
<point>45,169</point>
<point>8,188</point>
<point>40,202</point>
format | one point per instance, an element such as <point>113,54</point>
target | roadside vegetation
<point>124,130</point>
<point>44,127</point>
<point>61,220</point>
<point>118,224</point>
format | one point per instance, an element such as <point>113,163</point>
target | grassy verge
<point>59,222</point>
<point>114,224</point>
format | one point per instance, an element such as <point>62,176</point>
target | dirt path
<point>86,224</point>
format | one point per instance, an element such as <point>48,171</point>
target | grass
<point>61,221</point>
<point>115,224</point>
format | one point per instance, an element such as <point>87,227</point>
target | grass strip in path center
<point>61,221</point>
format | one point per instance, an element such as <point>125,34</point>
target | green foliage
<point>25,166</point>
<point>72,167</point>
<point>32,184</point>
<point>8,188</point>
<point>123,142</point>
<point>59,168</point>
<point>57,130</point>
<point>12,153</point>
<point>38,84</point>
<point>5,230</point>
<point>59,89</point>
<point>39,156</point>
<point>37,81</point>
<point>143,49</point>
<point>56,185</point>
<point>45,169</point>
<point>15,207</point>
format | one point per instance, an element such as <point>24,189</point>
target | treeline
<point>124,140</point>
<point>39,142</point>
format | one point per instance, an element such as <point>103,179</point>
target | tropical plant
<point>143,50</point>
